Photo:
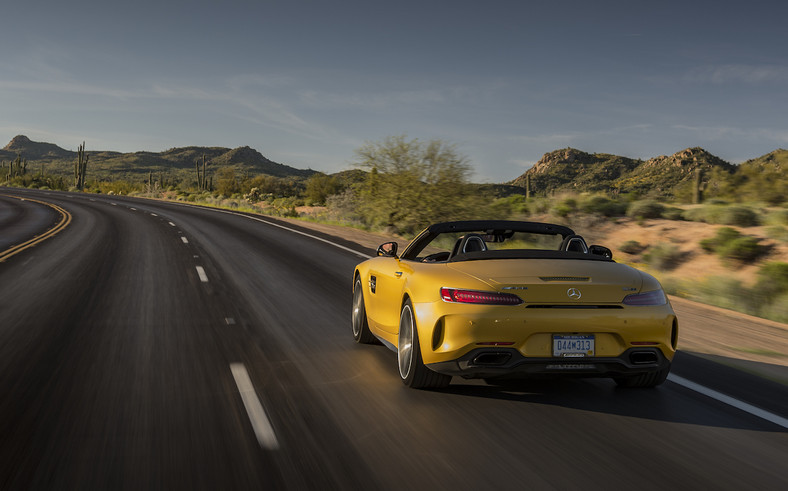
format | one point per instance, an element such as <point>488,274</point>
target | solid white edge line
<point>254,409</point>
<point>348,249</point>
<point>202,275</point>
<point>749,408</point>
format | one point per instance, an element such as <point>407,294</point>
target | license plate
<point>573,345</point>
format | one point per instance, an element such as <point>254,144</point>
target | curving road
<point>154,345</point>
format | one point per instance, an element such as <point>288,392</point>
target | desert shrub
<point>694,215</point>
<point>722,237</point>
<point>632,247</point>
<point>663,256</point>
<point>744,249</point>
<point>738,215</point>
<point>604,206</point>
<point>773,279</point>
<point>777,232</point>
<point>645,209</point>
<point>509,206</point>
<point>564,207</point>
<point>673,213</point>
<point>731,245</point>
<point>777,309</point>
<point>779,217</point>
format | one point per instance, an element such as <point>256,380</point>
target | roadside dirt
<point>749,343</point>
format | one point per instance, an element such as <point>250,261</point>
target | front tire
<point>411,367</point>
<point>360,324</point>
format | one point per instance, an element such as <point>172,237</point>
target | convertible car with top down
<point>502,300</point>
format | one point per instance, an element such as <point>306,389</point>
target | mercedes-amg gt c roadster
<point>502,300</point>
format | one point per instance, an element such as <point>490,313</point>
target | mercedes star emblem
<point>574,294</point>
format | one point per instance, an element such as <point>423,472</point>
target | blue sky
<point>308,82</point>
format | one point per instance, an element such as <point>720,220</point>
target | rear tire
<point>360,324</point>
<point>648,379</point>
<point>411,367</point>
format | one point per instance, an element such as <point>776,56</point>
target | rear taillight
<point>655,297</point>
<point>477,297</point>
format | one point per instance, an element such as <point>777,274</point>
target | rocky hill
<point>34,150</point>
<point>573,170</point>
<point>125,165</point>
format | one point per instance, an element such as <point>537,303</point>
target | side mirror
<point>600,251</point>
<point>389,249</point>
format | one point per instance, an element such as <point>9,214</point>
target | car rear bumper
<point>510,363</point>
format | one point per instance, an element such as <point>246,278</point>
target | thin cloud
<point>746,74</point>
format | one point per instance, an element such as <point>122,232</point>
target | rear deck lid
<point>549,282</point>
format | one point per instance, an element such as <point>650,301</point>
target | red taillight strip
<point>655,297</point>
<point>478,297</point>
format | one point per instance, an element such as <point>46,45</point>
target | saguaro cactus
<point>202,182</point>
<point>697,188</point>
<point>527,186</point>
<point>80,167</point>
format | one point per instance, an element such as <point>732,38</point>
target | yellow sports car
<point>502,300</point>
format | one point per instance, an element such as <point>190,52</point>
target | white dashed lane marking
<point>171,224</point>
<point>202,275</point>
<point>185,240</point>
<point>254,409</point>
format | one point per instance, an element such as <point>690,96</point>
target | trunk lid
<point>556,281</point>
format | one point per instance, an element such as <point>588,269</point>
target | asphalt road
<point>126,337</point>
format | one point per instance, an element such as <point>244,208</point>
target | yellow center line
<point>65,219</point>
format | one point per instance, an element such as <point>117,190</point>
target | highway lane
<point>23,220</point>
<point>115,373</point>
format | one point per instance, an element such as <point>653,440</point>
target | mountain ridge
<point>570,169</point>
<point>179,158</point>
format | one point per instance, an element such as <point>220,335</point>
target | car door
<point>387,278</point>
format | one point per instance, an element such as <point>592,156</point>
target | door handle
<point>398,273</point>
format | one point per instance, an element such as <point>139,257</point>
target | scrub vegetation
<point>738,258</point>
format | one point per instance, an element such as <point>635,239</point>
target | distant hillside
<point>34,150</point>
<point>573,170</point>
<point>107,164</point>
<point>776,161</point>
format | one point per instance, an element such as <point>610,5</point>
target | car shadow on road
<point>669,402</point>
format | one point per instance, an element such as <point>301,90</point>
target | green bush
<point>721,238</point>
<point>664,256</point>
<point>604,206</point>
<point>777,232</point>
<point>645,209</point>
<point>565,207</point>
<point>731,245</point>
<point>776,310</point>
<point>773,279</point>
<point>740,216</point>
<point>673,213</point>
<point>744,249</point>
<point>779,217</point>
<point>632,247</point>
